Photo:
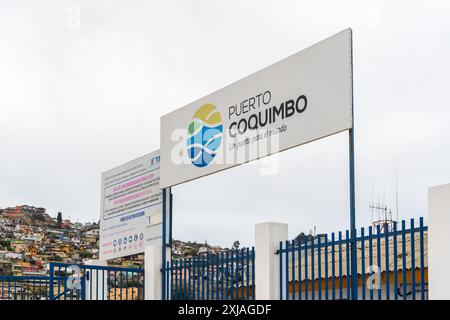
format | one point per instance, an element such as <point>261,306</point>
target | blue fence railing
<point>76,282</point>
<point>25,287</point>
<point>228,275</point>
<point>391,264</point>
<point>97,282</point>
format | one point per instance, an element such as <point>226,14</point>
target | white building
<point>92,233</point>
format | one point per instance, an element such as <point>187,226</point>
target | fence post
<point>267,268</point>
<point>153,274</point>
<point>50,281</point>
<point>438,239</point>
<point>96,285</point>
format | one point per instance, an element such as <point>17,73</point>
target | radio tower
<point>381,216</point>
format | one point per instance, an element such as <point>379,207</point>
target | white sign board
<point>131,207</point>
<point>302,98</point>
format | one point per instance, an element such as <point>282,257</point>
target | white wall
<point>153,275</point>
<point>267,267</point>
<point>438,242</point>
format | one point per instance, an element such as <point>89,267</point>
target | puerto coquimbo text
<point>268,115</point>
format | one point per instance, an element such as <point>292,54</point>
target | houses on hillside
<point>30,238</point>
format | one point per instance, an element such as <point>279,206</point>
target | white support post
<point>153,274</point>
<point>267,267</point>
<point>438,240</point>
<point>97,281</point>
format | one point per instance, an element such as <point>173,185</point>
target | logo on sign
<point>204,135</point>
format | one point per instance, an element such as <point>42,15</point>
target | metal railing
<point>97,282</point>
<point>228,275</point>
<point>76,282</point>
<point>391,264</point>
<point>25,287</point>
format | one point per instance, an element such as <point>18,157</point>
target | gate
<point>392,264</point>
<point>76,282</point>
<point>25,287</point>
<point>223,276</point>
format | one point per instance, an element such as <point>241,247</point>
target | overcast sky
<point>83,85</point>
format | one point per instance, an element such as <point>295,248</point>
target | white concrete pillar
<point>438,240</point>
<point>267,267</point>
<point>98,280</point>
<point>153,274</point>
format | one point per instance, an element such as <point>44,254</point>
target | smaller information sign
<point>131,207</point>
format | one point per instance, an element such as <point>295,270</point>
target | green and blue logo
<point>204,135</point>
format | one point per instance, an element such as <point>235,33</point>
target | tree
<point>38,217</point>
<point>300,237</point>
<point>303,238</point>
<point>59,218</point>
<point>190,252</point>
<point>57,258</point>
<point>5,244</point>
<point>85,254</point>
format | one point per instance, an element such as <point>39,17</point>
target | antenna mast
<point>383,217</point>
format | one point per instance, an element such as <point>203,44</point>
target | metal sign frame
<point>166,192</point>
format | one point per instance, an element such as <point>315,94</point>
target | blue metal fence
<point>76,282</point>
<point>97,282</point>
<point>25,287</point>
<point>391,263</point>
<point>229,275</point>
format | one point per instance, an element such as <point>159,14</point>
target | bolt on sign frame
<point>302,98</point>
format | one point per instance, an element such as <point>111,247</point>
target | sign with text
<point>302,98</point>
<point>131,207</point>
